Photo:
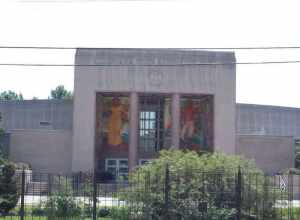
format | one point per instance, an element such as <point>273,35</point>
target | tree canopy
<point>10,95</point>
<point>61,93</point>
<point>200,186</point>
<point>1,134</point>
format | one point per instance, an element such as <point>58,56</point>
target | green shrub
<point>38,211</point>
<point>62,205</point>
<point>200,186</point>
<point>8,188</point>
<point>285,213</point>
<point>88,210</point>
<point>120,213</point>
<point>103,212</point>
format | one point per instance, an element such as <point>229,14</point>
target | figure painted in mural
<point>188,118</point>
<point>117,113</point>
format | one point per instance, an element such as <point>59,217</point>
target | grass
<point>284,213</point>
<point>43,218</point>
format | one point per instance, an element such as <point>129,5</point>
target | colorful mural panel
<point>115,122</point>
<point>196,123</point>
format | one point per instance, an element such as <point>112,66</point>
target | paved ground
<point>109,201</point>
<point>103,201</point>
<point>286,204</point>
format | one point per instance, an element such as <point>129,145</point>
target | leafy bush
<point>2,151</point>
<point>8,187</point>
<point>120,213</point>
<point>199,186</point>
<point>103,212</point>
<point>290,171</point>
<point>88,210</point>
<point>38,211</point>
<point>62,204</point>
<point>8,184</point>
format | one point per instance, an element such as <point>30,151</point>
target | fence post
<point>22,212</point>
<point>49,184</point>
<point>239,194</point>
<point>290,196</point>
<point>147,191</point>
<point>94,197</point>
<point>167,191</point>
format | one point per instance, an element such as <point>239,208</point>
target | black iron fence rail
<point>192,195</point>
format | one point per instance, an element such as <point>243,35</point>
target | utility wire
<point>198,48</point>
<point>175,64</point>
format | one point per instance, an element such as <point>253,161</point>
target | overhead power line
<point>175,64</point>
<point>196,48</point>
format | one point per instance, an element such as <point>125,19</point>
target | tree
<point>1,129</point>
<point>10,95</point>
<point>61,93</point>
<point>200,186</point>
<point>8,185</point>
<point>1,144</point>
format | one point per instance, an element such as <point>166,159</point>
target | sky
<point>152,23</point>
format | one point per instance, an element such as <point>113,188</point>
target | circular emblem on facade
<point>156,78</point>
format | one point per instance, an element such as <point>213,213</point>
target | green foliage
<point>62,205</point>
<point>287,212</point>
<point>38,211</point>
<point>1,144</point>
<point>10,95</point>
<point>1,129</point>
<point>297,155</point>
<point>290,171</point>
<point>8,187</point>
<point>103,212</point>
<point>61,93</point>
<point>199,186</point>
<point>120,213</point>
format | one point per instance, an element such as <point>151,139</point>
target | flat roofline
<point>267,135</point>
<point>268,106</point>
<point>154,49</point>
<point>25,101</point>
<point>151,56</point>
<point>71,101</point>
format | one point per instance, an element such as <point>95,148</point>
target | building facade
<point>131,103</point>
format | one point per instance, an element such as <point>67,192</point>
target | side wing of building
<point>267,134</point>
<point>37,114</point>
<point>268,120</point>
<point>40,133</point>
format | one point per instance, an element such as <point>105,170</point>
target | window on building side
<point>117,167</point>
